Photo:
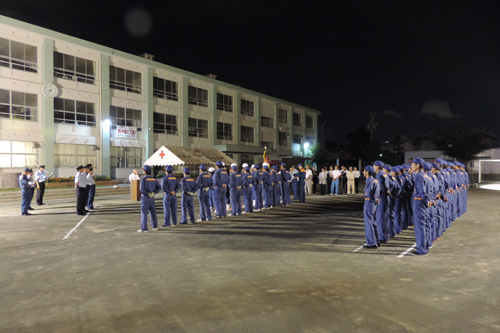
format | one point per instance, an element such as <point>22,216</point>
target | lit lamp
<point>106,125</point>
<point>306,146</point>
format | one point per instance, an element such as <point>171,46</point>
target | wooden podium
<point>135,190</point>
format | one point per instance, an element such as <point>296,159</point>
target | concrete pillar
<point>185,111</point>
<point>237,110</point>
<point>147,118</point>
<point>105,125</point>
<point>212,104</point>
<point>257,122</point>
<point>47,105</point>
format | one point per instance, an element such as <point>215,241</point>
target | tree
<point>462,143</point>
<point>319,154</point>
<point>359,142</point>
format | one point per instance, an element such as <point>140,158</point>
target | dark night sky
<point>421,65</point>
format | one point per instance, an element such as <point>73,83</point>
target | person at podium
<point>134,176</point>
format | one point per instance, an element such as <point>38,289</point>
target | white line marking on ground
<point>408,250</point>
<point>359,248</point>
<point>76,226</point>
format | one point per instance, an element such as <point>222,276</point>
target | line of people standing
<point>429,196</point>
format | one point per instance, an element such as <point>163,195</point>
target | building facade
<point>65,102</point>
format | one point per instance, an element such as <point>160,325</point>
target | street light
<point>306,145</point>
<point>106,125</point>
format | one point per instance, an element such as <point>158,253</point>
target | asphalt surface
<point>295,269</point>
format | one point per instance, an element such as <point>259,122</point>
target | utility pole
<point>372,125</point>
<point>322,134</point>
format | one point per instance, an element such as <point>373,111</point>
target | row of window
<point>18,105</point>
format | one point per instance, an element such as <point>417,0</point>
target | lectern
<point>135,190</point>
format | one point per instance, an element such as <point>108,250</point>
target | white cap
<point>211,169</point>
<point>264,164</point>
<point>223,164</point>
<point>253,166</point>
<point>245,165</point>
<point>233,164</point>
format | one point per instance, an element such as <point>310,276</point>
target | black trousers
<point>81,199</point>
<point>322,188</point>
<point>356,185</point>
<point>39,193</point>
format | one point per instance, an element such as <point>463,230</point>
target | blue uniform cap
<point>234,167</point>
<point>445,163</point>
<point>146,168</point>
<point>427,166</point>
<point>218,163</point>
<point>169,168</point>
<point>28,169</point>
<point>418,160</point>
<point>369,169</point>
<point>406,166</point>
<point>283,164</point>
<point>388,167</point>
<point>435,165</point>
<point>266,167</point>
<point>438,160</point>
<point>203,167</point>
<point>299,165</point>
<point>247,168</point>
<point>257,166</point>
<point>275,167</point>
<point>396,169</point>
<point>186,170</point>
<point>457,163</point>
<point>379,164</point>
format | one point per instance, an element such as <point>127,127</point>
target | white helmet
<point>253,166</point>
<point>211,169</point>
<point>244,165</point>
<point>233,164</point>
<point>265,164</point>
<point>223,164</point>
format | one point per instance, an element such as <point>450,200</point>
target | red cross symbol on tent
<point>162,154</point>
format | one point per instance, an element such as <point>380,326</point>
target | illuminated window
<point>18,56</point>
<point>18,105</point>
<point>73,68</point>
<point>67,111</point>
<point>125,117</point>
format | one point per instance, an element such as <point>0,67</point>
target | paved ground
<point>283,270</point>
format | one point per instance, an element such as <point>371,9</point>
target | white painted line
<point>74,229</point>
<point>359,248</point>
<point>407,251</point>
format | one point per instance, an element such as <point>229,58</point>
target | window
<point>74,68</point>
<point>268,145</point>
<point>67,111</point>
<point>198,128</point>
<point>68,155</point>
<point>310,140</point>
<point>247,158</point>
<point>17,154</point>
<point>224,131</point>
<point>309,122</point>
<point>296,119</point>
<point>224,102</point>
<point>266,122</point>
<point>247,134</point>
<point>297,139</point>
<point>165,123</point>
<point>124,79</point>
<point>247,108</point>
<point>126,157</point>
<point>197,96</point>
<point>125,117</point>
<point>283,138</point>
<point>165,89</point>
<point>18,55</point>
<point>18,105</point>
<point>282,116</point>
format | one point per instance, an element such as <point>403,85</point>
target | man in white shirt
<point>40,179</point>
<point>350,181</point>
<point>81,191</point>
<point>335,174</point>
<point>356,179</point>
<point>90,188</point>
<point>134,176</point>
<point>309,181</point>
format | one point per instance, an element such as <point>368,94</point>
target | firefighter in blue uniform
<point>295,182</point>
<point>220,181</point>
<point>211,171</point>
<point>170,186</point>
<point>204,184</point>
<point>420,203</point>
<point>372,198</point>
<point>25,189</point>
<point>396,196</point>
<point>248,185</point>
<point>390,202</point>
<point>149,187</point>
<point>188,187</point>
<point>276,187</point>
<point>235,186</point>
<point>382,209</point>
<point>258,176</point>
<point>268,187</point>
<point>301,184</point>
<point>286,180</point>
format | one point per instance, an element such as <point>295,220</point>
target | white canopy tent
<point>179,156</point>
